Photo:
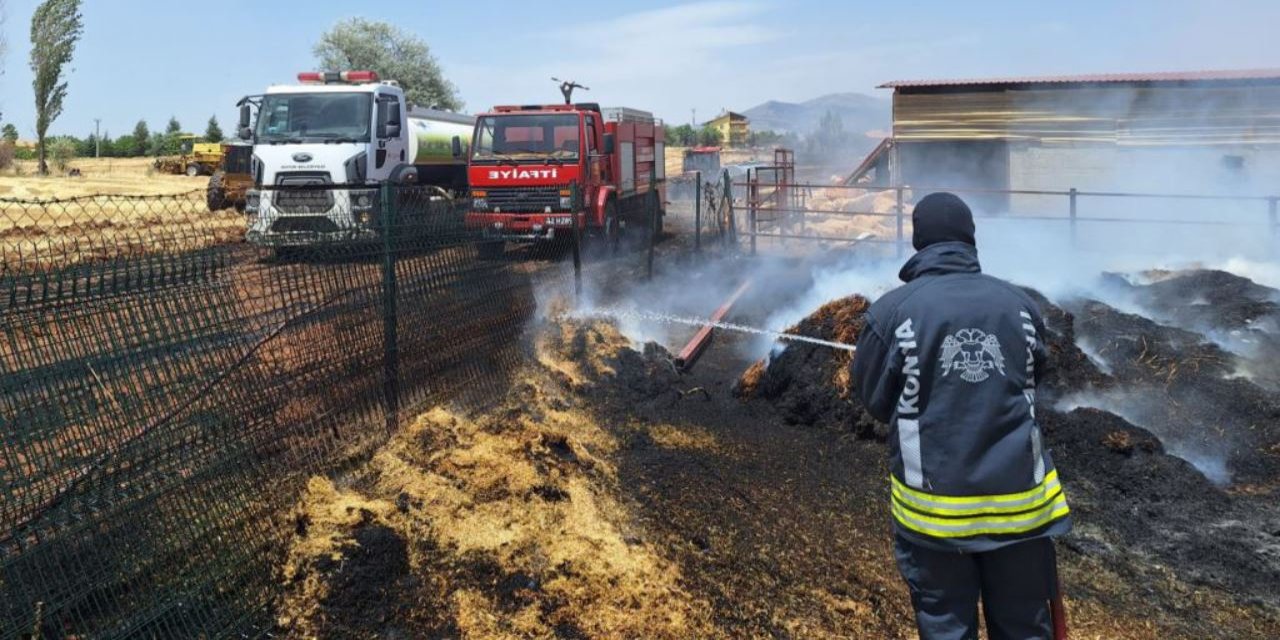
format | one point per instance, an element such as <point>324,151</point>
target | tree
<point>765,138</point>
<point>682,136</point>
<point>710,137</point>
<point>830,137</point>
<point>7,155</point>
<point>141,138</point>
<point>9,133</point>
<point>174,127</point>
<point>356,43</point>
<point>126,146</point>
<point>105,144</point>
<point>63,151</point>
<point>162,144</point>
<point>85,146</point>
<point>55,29</point>
<point>213,133</point>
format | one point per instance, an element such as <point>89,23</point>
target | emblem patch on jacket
<point>973,353</point>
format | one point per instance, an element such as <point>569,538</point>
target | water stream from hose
<point>618,313</point>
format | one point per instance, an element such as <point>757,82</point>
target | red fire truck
<point>528,162</point>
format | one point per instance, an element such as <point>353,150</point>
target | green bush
<point>7,154</point>
<point>61,152</point>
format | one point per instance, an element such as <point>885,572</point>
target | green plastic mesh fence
<point>171,376</point>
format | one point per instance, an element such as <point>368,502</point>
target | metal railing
<point>776,205</point>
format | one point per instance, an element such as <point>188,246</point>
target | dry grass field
<point>115,207</point>
<point>100,176</point>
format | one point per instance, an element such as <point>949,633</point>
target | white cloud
<point>660,60</point>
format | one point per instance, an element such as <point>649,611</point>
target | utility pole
<point>693,122</point>
<point>97,137</point>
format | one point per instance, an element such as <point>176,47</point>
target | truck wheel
<point>193,170</point>
<point>216,195</point>
<point>491,250</point>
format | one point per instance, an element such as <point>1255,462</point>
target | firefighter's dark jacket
<point>950,361</point>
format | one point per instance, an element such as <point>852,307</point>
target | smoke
<point>1175,144</point>
<point>1091,351</point>
<point>694,287</point>
<point>849,276</point>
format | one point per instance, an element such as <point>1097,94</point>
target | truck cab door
<point>597,164</point>
<point>391,136</point>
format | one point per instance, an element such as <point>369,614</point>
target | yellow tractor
<point>230,184</point>
<point>197,159</point>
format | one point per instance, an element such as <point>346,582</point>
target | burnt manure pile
<point>809,384</point>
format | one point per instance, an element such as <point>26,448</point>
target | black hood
<point>940,259</point>
<point>941,217</point>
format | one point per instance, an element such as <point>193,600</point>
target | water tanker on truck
<point>323,147</point>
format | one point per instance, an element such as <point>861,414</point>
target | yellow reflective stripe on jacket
<point>963,506</point>
<point>981,525</point>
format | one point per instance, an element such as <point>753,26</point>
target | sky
<point>153,59</point>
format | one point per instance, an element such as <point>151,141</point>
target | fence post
<point>697,211</point>
<point>574,200</point>
<point>729,235</point>
<point>390,341</point>
<point>900,210</point>
<point>751,209</point>
<point>1073,193</point>
<point>654,206</point>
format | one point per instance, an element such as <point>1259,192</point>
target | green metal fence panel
<point>167,389</point>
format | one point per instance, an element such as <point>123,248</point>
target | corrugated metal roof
<point>1102,78</point>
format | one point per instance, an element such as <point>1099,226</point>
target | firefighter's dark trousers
<point>1015,584</point>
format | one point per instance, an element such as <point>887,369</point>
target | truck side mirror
<point>393,119</point>
<point>457,147</point>
<point>244,131</point>
<point>608,144</point>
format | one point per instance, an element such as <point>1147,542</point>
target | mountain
<point>858,112</point>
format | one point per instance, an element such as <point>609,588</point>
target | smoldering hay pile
<point>503,524</point>
<point>810,384</point>
<point>1165,426</point>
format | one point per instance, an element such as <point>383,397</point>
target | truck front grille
<point>304,224</point>
<point>304,192</point>
<point>526,200</point>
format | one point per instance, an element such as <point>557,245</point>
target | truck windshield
<point>315,117</point>
<point>523,138</point>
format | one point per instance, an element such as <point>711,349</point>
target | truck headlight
<point>364,201</point>
<point>251,202</point>
<point>480,204</point>
<point>565,202</point>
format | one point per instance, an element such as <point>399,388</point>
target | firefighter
<point>950,362</point>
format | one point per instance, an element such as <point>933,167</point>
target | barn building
<point>1192,132</point>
